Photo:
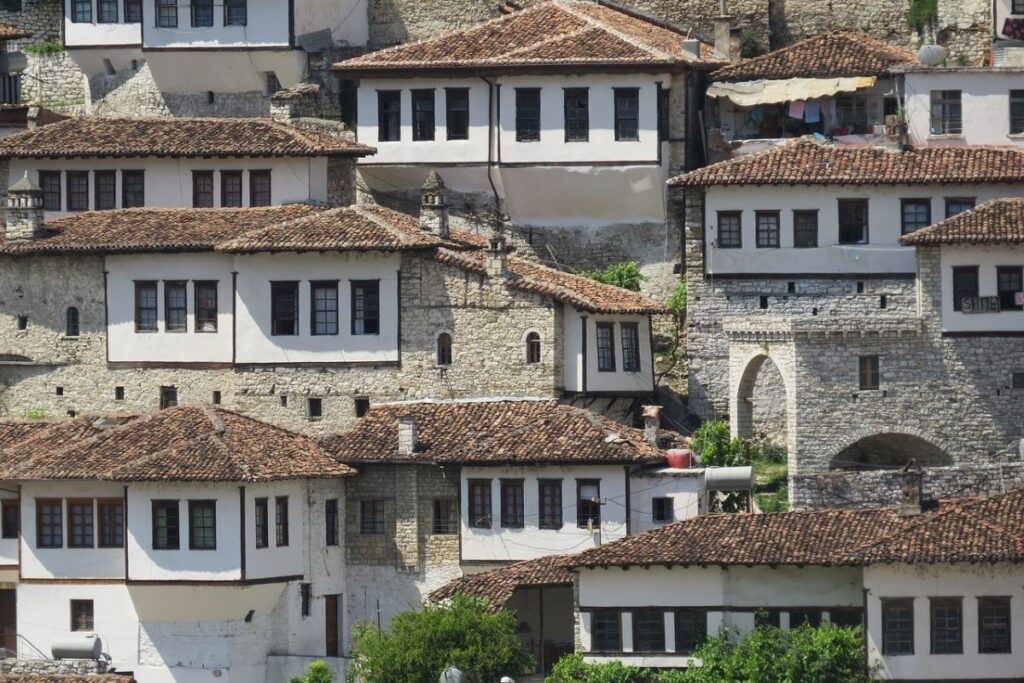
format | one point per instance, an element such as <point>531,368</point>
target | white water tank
<point>78,646</point>
<point>932,55</point>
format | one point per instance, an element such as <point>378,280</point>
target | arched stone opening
<point>888,451</point>
<point>761,409</point>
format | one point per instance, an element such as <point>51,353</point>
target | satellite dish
<point>932,55</point>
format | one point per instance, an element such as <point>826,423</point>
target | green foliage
<point>572,669</point>
<point>35,414</point>
<point>715,448</point>
<point>750,44</point>
<point>419,645</point>
<point>922,13</point>
<point>626,275</point>
<point>318,673</point>
<point>46,47</point>
<point>677,302</point>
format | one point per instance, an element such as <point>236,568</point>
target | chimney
<point>910,490</point>
<point>727,36</point>
<point>652,422</point>
<point>691,48</point>
<point>25,220</point>
<point>497,256</point>
<point>434,206</point>
<point>407,435</point>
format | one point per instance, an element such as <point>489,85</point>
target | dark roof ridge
<point>594,22</point>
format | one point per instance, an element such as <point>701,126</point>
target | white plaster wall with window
<point>984,99</point>
<point>681,490</point>
<point>988,262</point>
<point>494,543</point>
<point>96,23</point>
<point>273,559</point>
<point>621,377</point>
<point>881,254</point>
<point>922,584</point>
<point>232,23</point>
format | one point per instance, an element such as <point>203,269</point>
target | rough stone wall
<point>55,82</point>
<point>965,28</point>
<point>45,18</point>
<point>793,20</point>
<point>48,667</point>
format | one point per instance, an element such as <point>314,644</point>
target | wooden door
<point>332,618</point>
<point>9,622</point>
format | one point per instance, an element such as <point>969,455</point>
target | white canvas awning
<point>751,93</point>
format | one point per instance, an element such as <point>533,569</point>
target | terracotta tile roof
<point>498,585</point>
<point>43,434</point>
<point>828,55</point>
<point>97,136</point>
<point>559,33</point>
<point>968,530</point>
<point>186,443</point>
<point>11,32</point>
<point>499,431</point>
<point>1000,221</point>
<point>807,162</point>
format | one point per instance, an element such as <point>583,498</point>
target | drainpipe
<point>492,95</point>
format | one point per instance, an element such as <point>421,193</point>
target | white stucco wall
<point>598,381</point>
<point>987,259</point>
<point>231,71</point>
<point>266,26</point>
<point>682,486</point>
<point>498,544</point>
<point>91,34</point>
<point>347,20</point>
<point>274,561</point>
<point>985,98</point>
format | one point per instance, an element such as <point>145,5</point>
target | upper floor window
<point>588,503</point>
<point>1018,7</point>
<point>133,189</point>
<point>897,626</point>
<point>206,305</point>
<point>81,524</point>
<point>577,114</point>
<point>853,221</point>
<point>202,525</point>
<point>627,114</point>
<point>767,225</point>
<point>365,306</point>
<point>915,214</point>
<point>630,347</point>
<point>965,285</point>
<point>236,12</point>
<point>49,523</point>
<point>479,503</point>
<point>325,307</point>
<point>512,504</point>
<point>993,625</point>
<point>281,521</point>
<point>532,348</point>
<point>1009,283</point>
<point>549,495</point>
<point>606,630</point>
<point>331,521</point>
<point>284,308</point>
<point>202,12</point>
<point>202,189</point>
<point>261,522</point>
<point>852,113</point>
<point>49,183</point>
<point>389,115</point>
<point>947,626</point>
<point>132,11</point>
<point>259,188</point>
<point>955,205</point>
<point>78,190</point>
<point>145,306</point>
<point>165,525</point>
<point>691,629</point>
<point>111,514</point>
<point>730,229</point>
<point>10,514</point>
<point>231,188</point>
<point>175,306</point>
<point>423,114</point>
<point>105,183</point>
<point>1016,112</point>
<point>106,11</point>
<point>805,229</point>
<point>648,630</point>
<point>444,349</point>
<point>81,11</point>
<point>71,328</point>
<point>527,114</point>
<point>446,516</point>
<point>606,347</point>
<point>947,112</point>
<point>457,113</point>
<point>371,516</point>
<point>167,13</point>
<point>870,376</point>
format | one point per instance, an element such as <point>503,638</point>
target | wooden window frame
<point>424,103</point>
<point>83,615</point>
<point>52,186</point>
<point>280,289</point>
<point>689,646</point>
<point>798,242</point>
<point>370,304</point>
<point>193,506</point>
<point>738,215</point>
<point>972,271</point>
<point>513,503</point>
<point>994,600</point>
<point>445,351</point>
<point>166,14</point>
<point>604,340</point>
<point>453,99</point>
<point>844,202</point>
<point>106,198</point>
<point>631,356</point>
<point>332,533</point>
<point>869,372</point>
<point>446,517</point>
<point>199,195</point>
<point>132,11</point>
<point>256,195</point>
<point>103,505</point>
<point>10,528</point>
<point>660,516</point>
<point>168,396</point>
<point>581,518</point>
<point>236,12</point>
<point>576,114</point>
<point>551,514</point>
<point>281,522</point>
<point>481,516</point>
<point>389,115</point>
<point>630,118</point>
<point>657,616</point>
<point>897,603</point>
<point>529,119</point>
<point>328,285</point>
<point>167,504</point>
<point>74,195</point>
<point>926,202</point>
<point>57,537</point>
<point>261,527</point>
<point>372,517</point>
<point>533,348</point>
<point>1006,296</point>
<point>936,646</point>
<point>230,198</point>
<point>72,323</point>
<point>771,234</point>
<point>87,531</point>
<point>968,202</point>
<point>613,616</point>
<point>171,287</point>
<point>202,319</point>
<point>942,105</point>
<point>201,22</point>
<point>132,176</point>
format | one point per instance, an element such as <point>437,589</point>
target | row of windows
<point>236,13</point>
<point>91,522</point>
<point>947,112</point>
<point>853,222</point>
<point>176,305</point>
<point>946,625</point>
<point>230,189</point>
<point>133,190</point>
<point>549,496</point>
<point>629,336</point>
<point>107,11</point>
<point>1009,283</point>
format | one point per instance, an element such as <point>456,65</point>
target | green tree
<point>318,672</point>
<point>419,645</point>
<point>625,275</point>
<point>715,448</point>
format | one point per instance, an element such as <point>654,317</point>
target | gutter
<point>492,96</point>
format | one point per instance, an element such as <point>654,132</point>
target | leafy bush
<point>572,669</point>
<point>419,645</point>
<point>46,47</point>
<point>714,446</point>
<point>677,302</point>
<point>625,275</point>
<point>318,673</point>
<point>922,13</point>
<point>750,44</point>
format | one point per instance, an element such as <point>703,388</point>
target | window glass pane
<point>606,630</point>
<point>49,182</point>
<point>175,307</point>
<point>371,517</point>
<point>588,504</point>
<point>457,114</point>
<point>325,307</point>
<point>167,13</point>
<point>81,11</point>
<point>1016,112</point>
<point>550,499</point>
<point>527,114</point>
<point>917,214</point>
<point>206,306</point>
<point>444,349</point>
<point>132,11</point>
<point>111,524</point>
<point>805,229</point>
<point>262,523</point>
<point>730,234</point>
<point>106,190</point>
<point>202,524</point>
<point>965,285</point>
<point>993,625</point>
<point>365,307</point>
<point>389,115</point>
<point>605,347</point>
<point>331,521</point>
<point>235,13</point>
<point>577,114</point>
<point>50,516</point>
<point>947,115</point>
<point>78,190</point>
<point>630,347</point>
<point>533,351</point>
<point>422,114</point>
<point>82,615</point>
<point>627,114</point>
<point>897,627</point>
<point>446,516</point>
<point>512,504</point>
<point>958,205</point>
<point>691,629</point>
<point>869,372</point>
<point>281,520</point>
<point>480,503</point>
<point>767,229</point>
<point>81,524</point>
<point>165,525</point>
<point>259,188</point>
<point>648,631</point>
<point>202,189</point>
<point>853,221</point>
<point>10,519</point>
<point>946,626</point>
<point>133,189</point>
<point>145,307</point>
<point>230,188</point>
<point>284,308</point>
<point>1009,283</point>
<point>202,12</point>
<point>662,510</point>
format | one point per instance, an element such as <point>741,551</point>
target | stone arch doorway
<point>762,405</point>
<point>887,451</point>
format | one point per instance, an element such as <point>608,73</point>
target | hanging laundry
<point>796,110</point>
<point>812,113</point>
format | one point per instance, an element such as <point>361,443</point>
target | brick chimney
<point>727,36</point>
<point>407,435</point>
<point>434,206</point>
<point>497,256</point>
<point>911,487</point>
<point>652,422</point>
<point>24,218</point>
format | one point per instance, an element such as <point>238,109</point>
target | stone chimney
<point>497,256</point>
<point>652,422</point>
<point>727,36</point>
<point>691,48</point>
<point>434,206</point>
<point>911,490</point>
<point>24,217</point>
<point>407,435</point>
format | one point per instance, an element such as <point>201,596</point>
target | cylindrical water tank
<point>84,646</point>
<point>932,55</point>
<point>729,478</point>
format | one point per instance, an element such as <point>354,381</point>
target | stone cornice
<point>821,328</point>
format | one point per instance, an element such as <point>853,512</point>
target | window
<point>331,521</point>
<point>81,524</point>
<point>305,598</point>
<point>550,500</point>
<point>71,326</point>
<point>1009,283</point>
<point>853,221</point>
<point>262,526</point>
<point>230,184</point>
<point>955,205</point>
<point>168,397</point>
<point>869,374</point>
<point>767,224</point>
<point>804,617</point>
<point>512,504</point>
<point>1018,7</point>
<point>480,503</point>
<point>527,114</point>
<point>132,11</point>
<point>1016,112</point>
<point>49,182</point>
<point>324,297</point>
<point>202,12</point>
<point>627,114</point>
<point>78,190</point>
<point>81,11</point>
<point>361,405</point>
<point>422,114</point>
<point>630,347</point>
<point>175,306</point>
<point>588,503</point>
<point>691,629</point>
<point>389,115</point>
<point>898,626</point>
<point>915,214</point>
<point>202,525</point>
<point>947,626</point>
<point>662,511</point>
<point>167,13</point>
<point>106,190</point>
<point>606,630</point>
<point>202,189</point>
<point>22,322</point>
<point>9,519</point>
<point>165,525</point>
<point>259,188</point>
<point>847,616</point>
<point>235,13</point>
<point>764,618</point>
<point>314,408</point>
<point>365,306</point>
<point>532,348</point>
<point>606,347</point>
<point>994,625</point>
<point>457,113</point>
<point>133,189</point>
<point>663,108</point>
<point>648,630</point>
<point>446,516</point>
<point>852,113</point>
<point>111,523</point>
<point>577,114</point>
<point>947,114</point>
<point>444,349</point>
<point>730,230</point>
<point>371,516</point>
<point>284,308</point>
<point>82,615</point>
<point>49,524</point>
<point>965,285</point>
<point>281,521</point>
<point>118,393</point>
<point>206,305</point>
<point>145,306</point>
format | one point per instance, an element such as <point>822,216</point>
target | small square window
<point>60,391</point>
<point>730,230</point>
<point>362,406</point>
<point>22,322</point>
<point>118,393</point>
<point>446,516</point>
<point>371,517</point>
<point>1017,380</point>
<point>314,408</point>
<point>662,511</point>
<point>215,399</point>
<point>82,618</point>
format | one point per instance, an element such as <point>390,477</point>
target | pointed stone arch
<point>751,367</point>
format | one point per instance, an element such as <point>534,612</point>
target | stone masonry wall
<point>43,17</point>
<point>55,82</point>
